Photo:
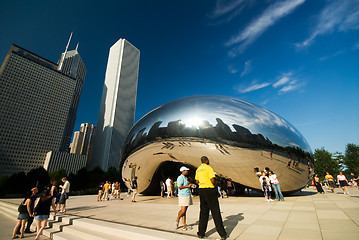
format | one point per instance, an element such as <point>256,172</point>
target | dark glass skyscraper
<point>38,103</point>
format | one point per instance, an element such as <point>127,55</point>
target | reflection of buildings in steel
<point>236,143</point>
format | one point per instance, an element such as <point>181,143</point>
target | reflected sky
<point>197,111</point>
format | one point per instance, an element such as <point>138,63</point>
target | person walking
<point>42,211</point>
<point>23,216</point>
<point>276,186</point>
<point>64,194</point>
<point>106,195</point>
<point>205,178</point>
<point>33,197</point>
<point>134,189</point>
<point>355,179</point>
<point>343,182</point>
<point>117,191</point>
<point>330,180</point>
<point>184,197</point>
<point>100,189</point>
<point>163,188</point>
<point>317,184</point>
<point>169,188</point>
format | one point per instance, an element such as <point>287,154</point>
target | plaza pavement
<point>307,215</point>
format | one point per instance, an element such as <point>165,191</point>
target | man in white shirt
<point>169,188</point>
<point>64,194</point>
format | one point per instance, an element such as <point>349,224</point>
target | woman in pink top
<point>343,182</point>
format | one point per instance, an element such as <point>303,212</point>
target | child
<point>266,191</point>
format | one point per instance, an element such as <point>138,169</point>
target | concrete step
<point>9,209</point>
<point>67,227</point>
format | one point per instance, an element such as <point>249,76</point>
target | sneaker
<point>186,228</point>
<point>267,200</point>
<point>271,200</point>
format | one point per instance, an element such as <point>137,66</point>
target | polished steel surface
<point>237,136</point>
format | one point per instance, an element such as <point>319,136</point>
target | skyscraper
<point>118,103</point>
<point>83,139</point>
<point>38,103</point>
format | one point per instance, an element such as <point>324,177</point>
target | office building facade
<point>118,103</point>
<point>82,140</point>
<point>36,109</point>
<point>56,160</point>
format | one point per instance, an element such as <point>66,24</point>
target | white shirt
<point>66,187</point>
<point>273,179</point>
<point>168,182</point>
<point>341,178</point>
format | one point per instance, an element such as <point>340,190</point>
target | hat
<point>184,168</point>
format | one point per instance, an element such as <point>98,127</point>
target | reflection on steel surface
<point>237,137</point>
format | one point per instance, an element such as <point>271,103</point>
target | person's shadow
<point>230,222</point>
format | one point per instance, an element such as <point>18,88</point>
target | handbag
<point>22,208</point>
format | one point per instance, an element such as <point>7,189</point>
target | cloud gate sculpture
<point>238,137</point>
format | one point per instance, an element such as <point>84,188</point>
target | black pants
<point>209,201</point>
<point>29,222</point>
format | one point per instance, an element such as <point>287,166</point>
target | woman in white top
<point>276,186</point>
<point>343,182</point>
<point>265,184</point>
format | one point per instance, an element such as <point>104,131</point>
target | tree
<point>324,162</point>
<point>38,177</point>
<point>351,158</point>
<point>58,175</point>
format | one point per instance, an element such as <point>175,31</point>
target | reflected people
<point>237,135</point>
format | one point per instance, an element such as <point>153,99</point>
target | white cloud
<point>232,69</point>
<point>289,87</point>
<point>225,7</point>
<point>256,28</point>
<point>339,16</point>
<point>247,68</point>
<point>287,83</point>
<point>333,55</point>
<point>283,80</point>
<point>226,10</point>
<point>253,87</point>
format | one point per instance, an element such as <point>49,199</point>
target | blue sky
<point>298,58</point>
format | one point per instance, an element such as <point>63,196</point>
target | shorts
<point>63,198</point>
<point>185,201</point>
<point>23,216</point>
<point>343,183</point>
<point>42,217</point>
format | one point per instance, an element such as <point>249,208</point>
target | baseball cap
<point>184,168</point>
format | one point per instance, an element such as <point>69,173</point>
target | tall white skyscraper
<point>118,103</point>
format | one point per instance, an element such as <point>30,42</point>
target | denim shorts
<point>42,217</point>
<point>23,216</point>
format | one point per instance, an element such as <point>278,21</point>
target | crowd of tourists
<point>341,181</point>
<point>36,206</point>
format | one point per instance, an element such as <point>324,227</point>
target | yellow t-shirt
<point>107,186</point>
<point>329,177</point>
<point>204,174</point>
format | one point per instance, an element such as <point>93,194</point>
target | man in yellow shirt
<point>205,178</point>
<point>106,195</point>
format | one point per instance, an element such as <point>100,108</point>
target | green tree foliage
<point>38,177</point>
<point>16,183</point>
<point>351,158</point>
<point>58,175</point>
<point>113,175</point>
<point>324,162</point>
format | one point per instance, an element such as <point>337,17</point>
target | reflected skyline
<point>236,135</point>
